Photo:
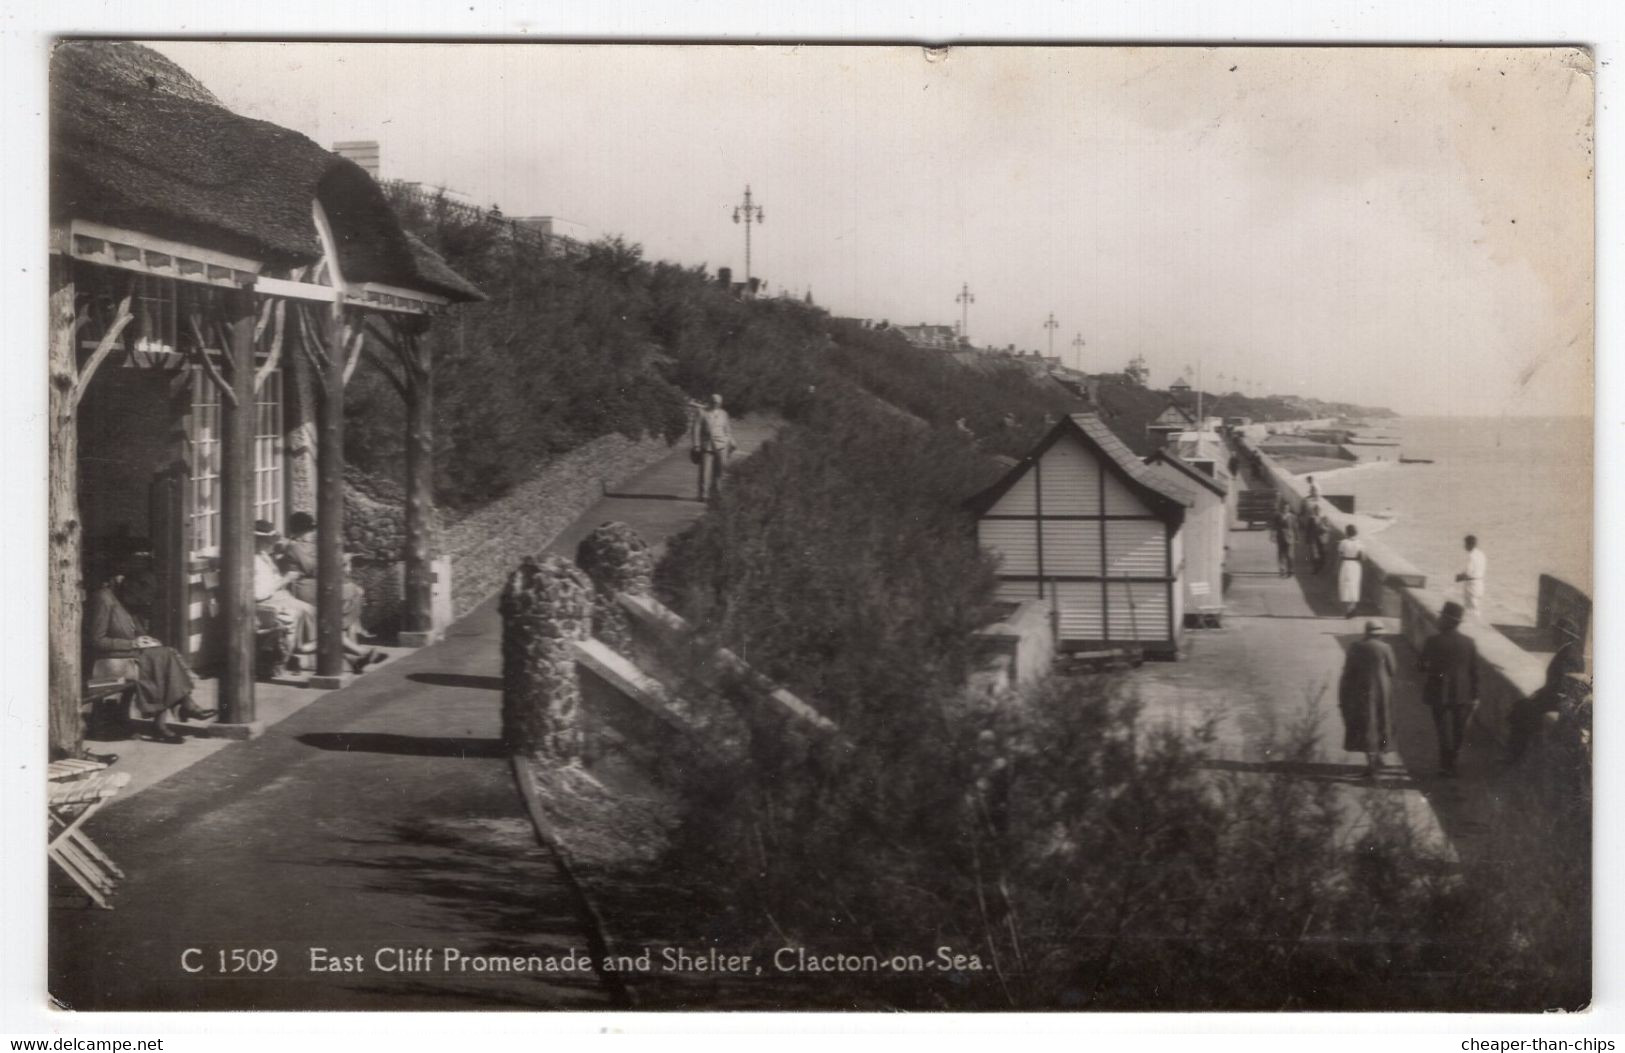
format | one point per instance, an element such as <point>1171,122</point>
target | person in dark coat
<point>162,681</point>
<point>1450,683</point>
<point>1286,537</point>
<point>1528,713</point>
<point>1365,697</point>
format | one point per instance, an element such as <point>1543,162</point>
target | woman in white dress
<point>1349,569</point>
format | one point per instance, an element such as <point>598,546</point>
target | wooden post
<point>330,507</point>
<point>65,604</point>
<point>237,517</point>
<point>418,618</point>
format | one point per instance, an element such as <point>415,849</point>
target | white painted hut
<point>1206,529</point>
<point>1085,524</point>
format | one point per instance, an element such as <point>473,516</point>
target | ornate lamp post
<point>1051,324</point>
<point>964,300</point>
<point>748,213</point>
<point>1077,350</point>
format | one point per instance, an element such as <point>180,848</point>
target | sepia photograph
<point>818,527</point>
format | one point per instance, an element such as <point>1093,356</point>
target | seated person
<point>1523,722</point>
<point>271,592</point>
<point>297,564</point>
<point>162,681</point>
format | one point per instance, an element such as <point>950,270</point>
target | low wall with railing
<point>1396,588</point>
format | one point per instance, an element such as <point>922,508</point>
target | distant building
<point>556,226</point>
<point>747,290</point>
<point>364,152</point>
<point>936,337</point>
<point>1179,389</point>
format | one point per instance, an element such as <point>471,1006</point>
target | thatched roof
<point>137,143</point>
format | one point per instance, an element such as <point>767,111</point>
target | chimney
<point>725,277</point>
<point>363,152</point>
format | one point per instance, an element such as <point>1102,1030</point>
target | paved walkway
<point>1272,671</point>
<point>382,816</point>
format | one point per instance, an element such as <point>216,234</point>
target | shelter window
<point>268,449</point>
<point>205,443</point>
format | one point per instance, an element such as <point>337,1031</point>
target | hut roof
<point>1187,470</point>
<point>1160,490</point>
<point>136,142</point>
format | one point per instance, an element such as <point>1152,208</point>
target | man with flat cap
<point>1365,698</point>
<point>1450,683</point>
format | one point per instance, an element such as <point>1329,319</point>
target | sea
<point>1522,485</point>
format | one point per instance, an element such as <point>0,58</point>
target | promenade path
<point>1271,675</point>
<point>382,816</point>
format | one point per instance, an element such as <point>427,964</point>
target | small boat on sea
<point>1415,460</point>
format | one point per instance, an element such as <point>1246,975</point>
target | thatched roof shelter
<point>137,143</point>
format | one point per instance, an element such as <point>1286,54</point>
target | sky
<point>1410,228</point>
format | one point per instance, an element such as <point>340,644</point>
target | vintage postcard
<point>699,527</point>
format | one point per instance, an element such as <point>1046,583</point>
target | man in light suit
<point>711,443</point>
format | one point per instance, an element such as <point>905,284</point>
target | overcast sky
<point>1410,228</point>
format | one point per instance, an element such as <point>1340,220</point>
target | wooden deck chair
<point>77,792</point>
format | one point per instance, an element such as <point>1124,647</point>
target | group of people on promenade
<point>1448,664</point>
<point>1313,532</point>
<point>120,645</point>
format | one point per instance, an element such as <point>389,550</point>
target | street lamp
<point>747,214</point>
<point>1051,324</point>
<point>964,300</point>
<point>1077,350</point>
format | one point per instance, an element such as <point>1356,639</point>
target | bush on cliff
<point>569,348</point>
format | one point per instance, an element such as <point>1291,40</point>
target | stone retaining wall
<point>486,545</point>
<point>1395,587</point>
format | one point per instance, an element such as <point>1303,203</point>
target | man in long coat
<point>1450,683</point>
<point>1365,697</point>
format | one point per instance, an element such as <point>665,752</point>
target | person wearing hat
<point>711,443</point>
<point>163,683</point>
<point>271,591</point>
<point>1450,683</point>
<point>1365,698</point>
<point>1527,714</point>
<point>298,559</point>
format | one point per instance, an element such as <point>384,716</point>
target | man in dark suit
<point>1450,683</point>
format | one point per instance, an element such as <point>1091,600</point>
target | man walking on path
<point>1472,577</point>
<point>1286,534</point>
<point>711,441</point>
<point>1450,683</point>
<point>1365,698</point>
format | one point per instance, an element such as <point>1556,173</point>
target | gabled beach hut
<point>1086,525</point>
<point>1173,420</point>
<point>1205,532</point>
<point>215,281</point>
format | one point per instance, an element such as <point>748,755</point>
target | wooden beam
<point>104,348</point>
<point>398,383</point>
<point>227,394</point>
<point>330,509</point>
<point>162,246</point>
<point>274,355</point>
<point>352,357</point>
<point>264,319</point>
<point>308,344</point>
<point>237,419</point>
<point>418,615</point>
<point>64,602</point>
